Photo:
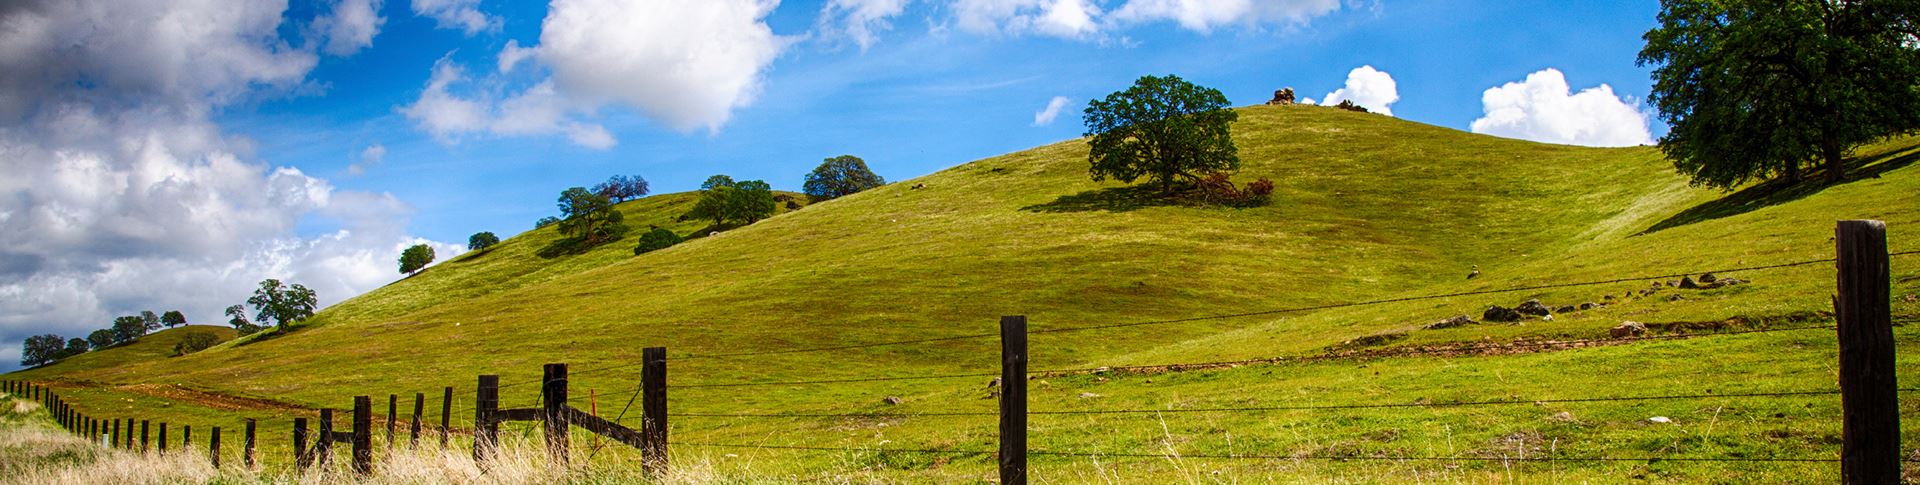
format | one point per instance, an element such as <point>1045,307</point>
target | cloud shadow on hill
<point>1116,199</point>
<point>1779,191</point>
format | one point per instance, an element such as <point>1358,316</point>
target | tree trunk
<point>1836,165</point>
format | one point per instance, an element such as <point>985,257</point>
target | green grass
<point>1367,207</point>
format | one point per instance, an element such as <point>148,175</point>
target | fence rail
<point>1868,390</point>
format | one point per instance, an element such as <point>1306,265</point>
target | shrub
<point>1347,104</point>
<point>194,342</point>
<point>655,240</point>
<point>1217,188</point>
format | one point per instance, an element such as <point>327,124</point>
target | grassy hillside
<point>1367,207</point>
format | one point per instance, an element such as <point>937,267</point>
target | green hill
<point>1366,207</point>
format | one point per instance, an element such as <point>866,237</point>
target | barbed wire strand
<point>1272,457</point>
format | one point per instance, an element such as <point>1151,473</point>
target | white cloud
<point>351,26</point>
<point>1046,115</point>
<point>1205,15</point>
<point>456,14</point>
<point>1543,108</point>
<point>512,54</point>
<point>122,193</point>
<point>369,157</point>
<point>442,113</point>
<point>537,110</point>
<point>1068,19</point>
<point>1370,88</point>
<point>859,20</point>
<point>684,63</point>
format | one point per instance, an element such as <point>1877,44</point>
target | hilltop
<point>1366,207</point>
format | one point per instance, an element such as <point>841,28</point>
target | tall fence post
<point>1869,403</point>
<point>393,408</point>
<point>553,397</point>
<point>213,447</point>
<point>363,435</point>
<point>413,430</point>
<point>1013,400</point>
<point>653,410</point>
<point>143,436</point>
<point>486,398</point>
<point>446,417</point>
<point>246,450</point>
<point>163,438</point>
<point>117,441</point>
<point>186,437</point>
<point>301,457</point>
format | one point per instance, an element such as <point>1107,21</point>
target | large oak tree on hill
<point>590,217</point>
<point>840,176</point>
<point>281,304</point>
<point>415,258</point>
<point>1165,129</point>
<point>1759,88</point>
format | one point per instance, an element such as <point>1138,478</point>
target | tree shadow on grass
<point>1779,191</point>
<point>1117,199</point>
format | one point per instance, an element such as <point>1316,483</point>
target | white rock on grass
<point>1660,419</point>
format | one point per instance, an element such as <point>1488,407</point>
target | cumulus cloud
<point>1057,18</point>
<point>369,157</point>
<point>1368,87</point>
<point>1544,108</point>
<point>123,194</point>
<point>686,64</point>
<point>859,20</point>
<point>456,14</point>
<point>1206,15</point>
<point>1046,115</point>
<point>350,26</point>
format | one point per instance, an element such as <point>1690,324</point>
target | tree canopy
<point>480,241</point>
<point>415,258</point>
<point>100,339</point>
<point>173,318</point>
<point>1756,89</point>
<point>237,317</point>
<point>657,239</point>
<point>128,328</point>
<point>620,188</point>
<point>1164,129</point>
<point>151,319</point>
<point>722,199</point>
<point>41,349</point>
<point>280,304</point>
<point>589,217</point>
<point>839,177</point>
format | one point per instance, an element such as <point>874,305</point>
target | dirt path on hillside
<point>207,399</point>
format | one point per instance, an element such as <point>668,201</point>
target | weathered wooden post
<point>213,447</point>
<point>301,458</point>
<point>653,410</point>
<point>143,436</point>
<point>553,396</point>
<point>117,441</point>
<point>323,444</point>
<point>413,430</point>
<point>163,438</point>
<point>393,408</point>
<point>1869,400</point>
<point>363,434</point>
<point>446,417</point>
<point>1013,400</point>
<point>246,450</point>
<point>486,397</point>
<point>186,437</point>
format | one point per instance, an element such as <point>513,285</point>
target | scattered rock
<point>1566,309</point>
<point>917,186</point>
<point>1708,278</point>
<point>1628,328</point>
<point>1282,97</point>
<point>1533,307</point>
<point>1607,297</point>
<point>1660,419</point>
<point>1686,283</point>
<point>1102,370</point>
<point>995,383</point>
<point>891,400</point>
<point>1908,299</point>
<point>1591,305</point>
<point>1563,416</point>
<point>1546,318</point>
<point>1730,281</point>
<point>1676,297</point>
<point>1088,395</point>
<point>1499,313</point>
<point>1456,321</point>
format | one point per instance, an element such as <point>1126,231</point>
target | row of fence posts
<point>1870,448</point>
<point>110,433</point>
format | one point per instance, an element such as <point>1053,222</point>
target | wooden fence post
<point>213,447</point>
<point>486,397</point>
<point>1013,400</point>
<point>143,436</point>
<point>393,408</point>
<point>117,441</point>
<point>553,397</point>
<point>413,430</point>
<point>363,434</point>
<point>446,415</point>
<point>653,410</point>
<point>246,450</point>
<point>323,442</point>
<point>163,438</point>
<point>186,437</point>
<point>1870,405</point>
<point>300,457</point>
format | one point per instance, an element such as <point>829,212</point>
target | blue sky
<point>173,165</point>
